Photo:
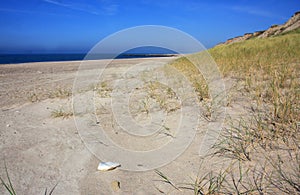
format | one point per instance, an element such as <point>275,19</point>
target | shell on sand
<point>107,166</point>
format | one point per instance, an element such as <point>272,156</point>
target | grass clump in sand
<point>61,113</point>
<point>60,93</point>
<point>104,89</point>
<point>163,95</point>
<point>40,94</point>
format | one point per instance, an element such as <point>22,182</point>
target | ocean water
<point>24,58</point>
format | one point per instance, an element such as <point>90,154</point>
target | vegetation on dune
<point>260,54</point>
<point>270,71</point>
<point>265,144</point>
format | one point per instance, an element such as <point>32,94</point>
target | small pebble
<point>8,125</point>
<point>115,185</point>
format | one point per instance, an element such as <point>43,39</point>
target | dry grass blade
<point>51,191</point>
<point>166,179</point>
<point>9,187</point>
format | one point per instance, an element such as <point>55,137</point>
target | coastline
<point>32,58</point>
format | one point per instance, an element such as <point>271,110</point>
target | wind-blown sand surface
<point>41,150</point>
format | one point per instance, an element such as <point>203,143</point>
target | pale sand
<point>40,150</point>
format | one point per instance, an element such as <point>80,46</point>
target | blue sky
<point>73,26</point>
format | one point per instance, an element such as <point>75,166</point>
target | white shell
<point>107,166</point>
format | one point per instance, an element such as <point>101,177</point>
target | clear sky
<point>73,26</point>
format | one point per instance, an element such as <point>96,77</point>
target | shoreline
<point>6,59</point>
<point>92,60</point>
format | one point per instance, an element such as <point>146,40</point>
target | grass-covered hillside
<point>258,53</point>
<point>270,70</point>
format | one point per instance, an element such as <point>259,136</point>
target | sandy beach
<point>59,120</point>
<point>42,146</point>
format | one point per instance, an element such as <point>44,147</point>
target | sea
<point>26,58</point>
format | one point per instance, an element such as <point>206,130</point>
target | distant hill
<point>292,24</point>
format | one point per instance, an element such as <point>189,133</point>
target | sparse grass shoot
<point>61,113</point>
